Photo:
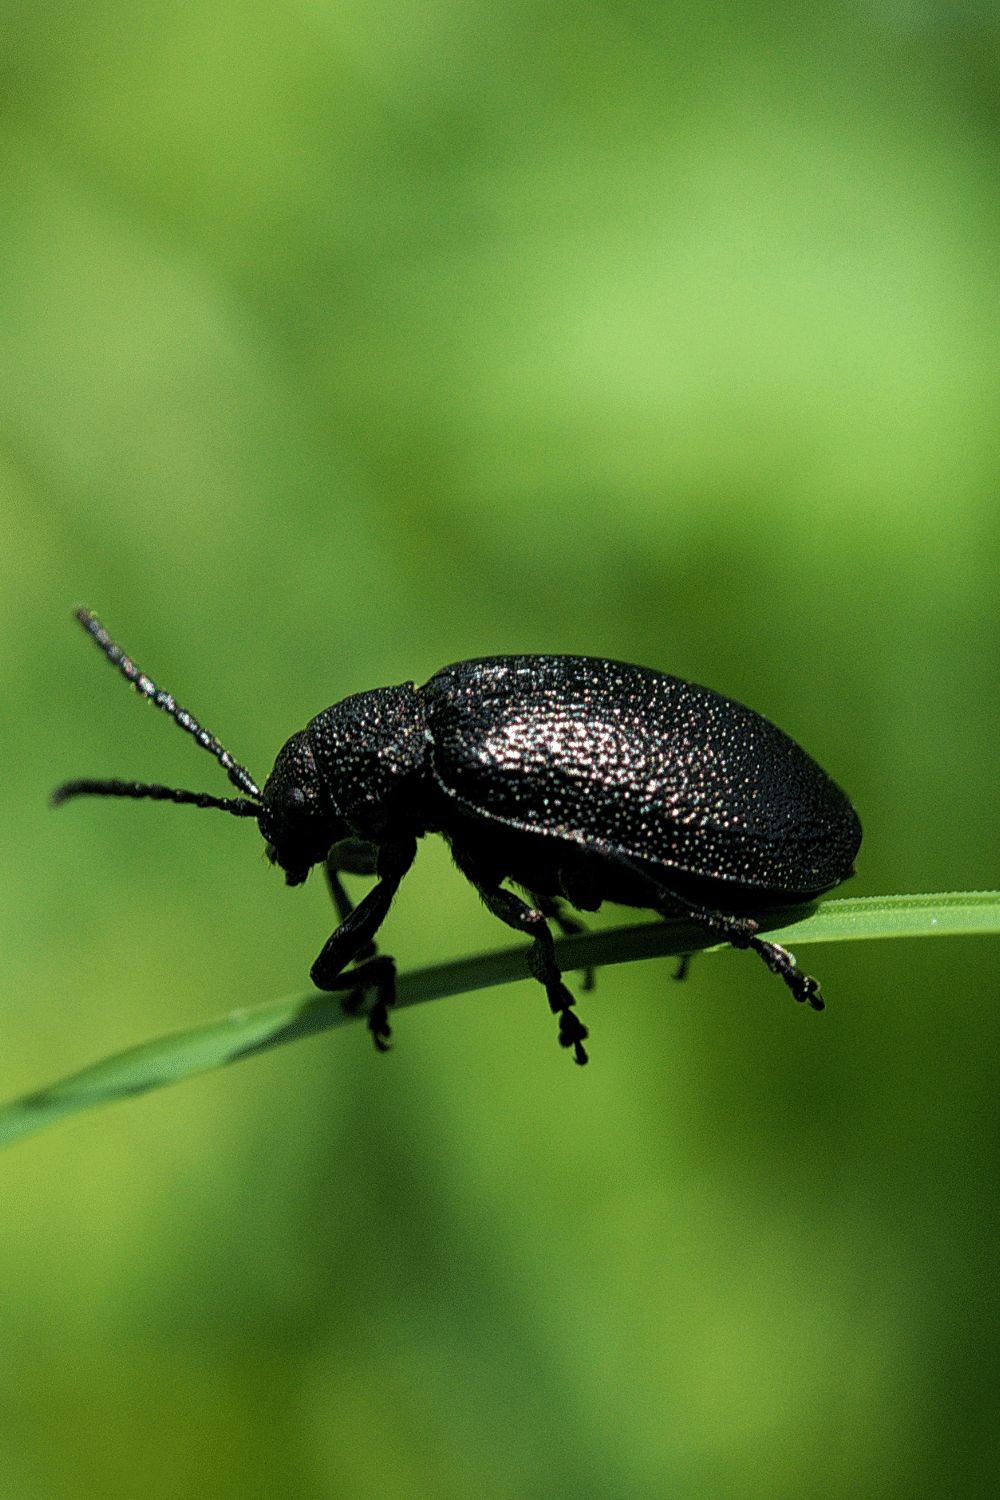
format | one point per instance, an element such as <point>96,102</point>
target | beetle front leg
<point>354,938</point>
<point>354,857</point>
<point>377,972</point>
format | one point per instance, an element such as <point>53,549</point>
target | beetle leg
<point>781,962</point>
<point>356,858</point>
<point>542,960</point>
<point>552,907</point>
<point>355,936</point>
<point>741,932</point>
<point>379,973</point>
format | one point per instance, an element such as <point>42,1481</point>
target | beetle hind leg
<point>741,932</point>
<point>782,963</point>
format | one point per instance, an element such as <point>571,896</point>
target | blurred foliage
<point>339,343</point>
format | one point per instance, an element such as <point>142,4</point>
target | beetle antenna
<point>238,775</point>
<point>238,806</point>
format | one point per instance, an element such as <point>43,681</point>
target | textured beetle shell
<point>620,759</point>
<point>365,749</point>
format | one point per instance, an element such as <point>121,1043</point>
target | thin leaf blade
<point>243,1033</point>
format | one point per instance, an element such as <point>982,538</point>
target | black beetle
<point>570,776</point>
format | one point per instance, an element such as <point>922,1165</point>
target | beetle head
<point>297,819</point>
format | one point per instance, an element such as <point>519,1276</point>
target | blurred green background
<point>340,342</point>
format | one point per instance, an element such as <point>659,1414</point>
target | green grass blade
<point>217,1043</point>
<point>958,913</point>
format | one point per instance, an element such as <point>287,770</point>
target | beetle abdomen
<point>622,759</point>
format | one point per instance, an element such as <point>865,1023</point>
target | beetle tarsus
<point>782,963</point>
<point>573,1033</point>
<point>378,1025</point>
<point>378,973</point>
<point>810,992</point>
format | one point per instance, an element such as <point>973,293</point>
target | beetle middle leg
<point>354,939</point>
<point>552,908</point>
<point>542,958</point>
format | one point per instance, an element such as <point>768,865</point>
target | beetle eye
<point>295,798</point>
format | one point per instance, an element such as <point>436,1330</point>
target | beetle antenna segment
<point>238,775</point>
<point>137,790</point>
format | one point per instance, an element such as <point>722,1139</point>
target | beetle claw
<point>573,1033</point>
<point>378,1025</point>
